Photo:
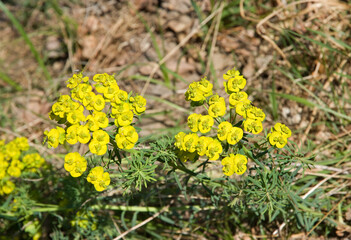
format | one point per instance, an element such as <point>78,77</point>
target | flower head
<point>223,130</point>
<point>205,123</point>
<point>214,149</point>
<point>237,97</point>
<point>235,82</point>
<point>235,134</point>
<point>253,126</point>
<point>75,164</point>
<point>193,122</point>
<point>99,178</point>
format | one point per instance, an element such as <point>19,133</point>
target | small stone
<point>285,112</point>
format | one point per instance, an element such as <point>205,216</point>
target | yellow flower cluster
<point>279,135</point>
<point>85,220</point>
<point>86,112</point>
<point>192,145</point>
<point>234,164</point>
<point>99,178</point>
<point>198,122</point>
<point>75,164</point>
<point>239,100</point>
<point>226,132</point>
<point>84,129</point>
<point>199,91</point>
<point>13,162</point>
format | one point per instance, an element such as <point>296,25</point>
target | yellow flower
<point>217,109</point>
<point>223,130</point>
<point>120,109</point>
<point>94,174</point>
<point>179,140</point>
<point>83,220</point>
<point>205,123</point>
<point>22,143</point>
<point>70,160</point>
<point>81,166</point>
<point>205,86</point>
<point>126,137</point>
<point>193,122</point>
<point>53,137</point>
<point>83,134</point>
<point>253,126</point>
<point>103,182</point>
<point>235,134</point>
<point>33,161</point>
<point>277,139</point>
<point>235,83</point>
<point>99,178</point>
<point>100,88</point>
<point>100,78</point>
<point>255,113</point>
<point>110,91</point>
<point>58,109</point>
<point>215,99</point>
<point>75,164</point>
<point>99,103</point>
<point>130,133</point>
<point>3,168</point>
<point>14,171</point>
<point>71,135</point>
<point>101,119</point>
<point>214,149</point>
<point>88,100</point>
<point>283,129</point>
<point>240,162</point>
<point>82,90</point>
<point>139,104</point>
<point>232,73</point>
<point>194,93</point>
<point>237,97</point>
<point>75,117</point>
<point>124,119</point>
<point>101,136</point>
<point>228,165</point>
<point>123,143</point>
<point>110,80</point>
<point>202,144</point>
<point>97,147</point>
<point>119,97</point>
<point>74,80</point>
<point>241,107</point>
<point>7,187</point>
<point>92,123</point>
<point>73,106</point>
<point>190,142</point>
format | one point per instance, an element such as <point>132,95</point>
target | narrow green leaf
<point>8,80</point>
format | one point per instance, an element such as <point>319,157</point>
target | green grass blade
<point>175,106</point>
<point>176,75</point>
<point>152,80</point>
<point>323,45</point>
<point>8,80</point>
<point>312,104</point>
<point>273,99</point>
<point>24,35</point>
<point>341,43</point>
